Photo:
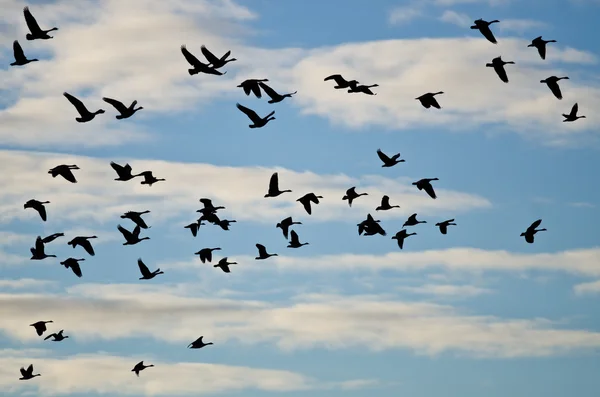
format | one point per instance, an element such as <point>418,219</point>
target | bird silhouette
<point>428,100</point>
<point>370,227</point>
<point>275,97</point>
<point>351,195</point>
<point>224,265</point>
<point>385,204</point>
<point>84,113</point>
<point>294,241</point>
<point>146,273</point>
<point>307,199</point>
<point>412,221</point>
<point>136,217</point>
<point>27,374</point>
<point>197,66</point>
<point>400,236</point>
<point>257,122</point>
<point>131,238</point>
<point>573,115</point>
<point>262,252</point>
<point>285,224</point>
<point>64,170</point>
<point>35,32</point>
<point>57,337</point>
<point>531,231</point>
<point>213,61</point>
<point>198,344</point>
<point>208,206</point>
<point>38,206</point>
<point>484,28</point>
<point>125,111</point>
<point>20,58</point>
<point>73,264</point>
<point>365,89</point>
<point>206,254</point>
<point>387,161</point>
<point>251,86</point>
<point>37,252</point>
<point>194,227</point>
<point>40,326</point>
<point>123,171</point>
<point>340,82</point>
<point>425,184</point>
<point>224,223</point>
<point>274,187</point>
<point>140,367</point>
<point>149,178</point>
<point>84,243</point>
<point>52,237</point>
<point>540,44</point>
<point>552,83</point>
<point>498,65</point>
<point>444,225</point>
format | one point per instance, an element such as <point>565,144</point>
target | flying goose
<point>57,336</point>
<point>136,217</point>
<point>224,223</point>
<point>35,31</point>
<point>531,231</point>
<point>307,199</point>
<point>213,61</point>
<point>400,236</point>
<point>224,265</point>
<point>540,44</point>
<point>370,227</point>
<point>37,252</point>
<point>444,225</point>
<point>73,264</point>
<point>385,204</point>
<point>27,374</point>
<point>194,227</point>
<point>498,65</point>
<point>140,367</point>
<point>64,170</point>
<point>294,241</point>
<point>262,252</point>
<point>149,178</point>
<point>84,113</point>
<point>257,122</point>
<point>84,243</point>
<point>387,161</point>
<point>131,238</point>
<point>125,112</point>
<point>251,86</point>
<point>197,66</point>
<point>40,326</point>
<point>351,195</point>
<point>365,89</point>
<point>206,254</point>
<point>274,187</point>
<point>425,184</point>
<point>275,97</point>
<point>573,115</point>
<point>198,344</point>
<point>123,171</point>
<point>209,206</point>
<point>285,224</point>
<point>412,221</point>
<point>340,82</point>
<point>146,273</point>
<point>552,83</point>
<point>38,206</point>
<point>428,100</point>
<point>484,28</point>
<point>20,58</point>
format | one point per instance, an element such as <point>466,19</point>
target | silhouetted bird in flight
<point>136,217</point>
<point>307,199</point>
<point>573,115</point>
<point>251,86</point>
<point>57,337</point>
<point>387,161</point>
<point>73,264</point>
<point>209,216</point>
<point>198,344</point>
<point>27,374</point>
<point>498,65</point>
<point>84,243</point>
<point>370,227</point>
<point>540,44</point>
<point>400,236</point>
<point>35,31</point>
<point>37,252</point>
<point>84,113</point>
<point>140,367</point>
<point>131,238</point>
<point>224,223</point>
<point>38,206</point>
<point>257,122</point>
<point>341,83</point>
<point>40,326</point>
<point>294,241</point>
<point>224,265</point>
<point>52,237</point>
<point>206,254</point>
<point>351,195</point>
<point>385,204</point>
<point>365,89</point>
<point>274,187</point>
<point>149,178</point>
<point>275,97</point>
<point>20,58</point>
<point>123,171</point>
<point>197,66</point>
<point>125,111</point>
<point>146,273</point>
<point>412,221</point>
<point>425,184</point>
<point>64,171</point>
<point>484,28</point>
<point>552,83</point>
<point>428,100</point>
<point>262,252</point>
<point>194,227</point>
<point>531,231</point>
<point>213,61</point>
<point>209,207</point>
<point>285,224</point>
<point>444,225</point>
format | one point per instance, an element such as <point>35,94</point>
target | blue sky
<point>477,311</point>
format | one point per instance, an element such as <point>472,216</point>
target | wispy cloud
<point>404,14</point>
<point>447,290</point>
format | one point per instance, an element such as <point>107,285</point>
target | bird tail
<point>192,72</point>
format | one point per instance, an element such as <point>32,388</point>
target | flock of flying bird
<point>367,227</point>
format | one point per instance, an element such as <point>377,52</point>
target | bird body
<point>531,231</point>
<point>133,237</point>
<point>197,66</point>
<point>444,225</point>
<point>425,184</point>
<point>38,206</point>
<point>146,273</point>
<point>351,195</point>
<point>84,243</point>
<point>340,82</point>
<point>274,186</point>
<point>125,111</point>
<point>198,344</point>
<point>20,58</point>
<point>572,116</point>
<point>484,28</point>
<point>27,374</point>
<point>213,61</point>
<point>123,171</point>
<point>140,367</point>
<point>540,44</point>
<point>224,265</point>
<point>275,97</point>
<point>428,100</point>
<point>552,83</point>
<point>294,241</point>
<point>136,217</point>
<point>262,252</point>
<point>206,254</point>
<point>412,221</point>
<point>400,236</point>
<point>385,204</point>
<point>285,224</point>
<point>365,89</point>
<point>251,86</point>
<point>35,32</point>
<point>64,170</point>
<point>257,121</point>
<point>307,199</point>
<point>37,252</point>
<point>389,161</point>
<point>84,113</point>
<point>57,337</point>
<point>149,178</point>
<point>40,326</point>
<point>498,65</point>
<point>73,264</point>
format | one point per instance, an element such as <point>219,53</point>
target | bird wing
<point>31,22</point>
<point>262,251</point>
<point>23,372</point>
<point>433,102</point>
<point>116,104</point>
<point>39,245</point>
<point>501,72</point>
<point>87,246</point>
<point>487,33</point>
<point>534,225</point>
<point>555,89</point>
<point>337,78</point>
<point>294,237</point>
<point>383,156</point>
<point>207,203</point>
<point>429,189</point>
<point>126,233</point>
<point>68,175</point>
<point>143,268</point>
<point>385,201</point>
<point>76,269</point>
<point>542,50</point>
<point>443,228</point>
<point>210,57</point>
<point>18,51</point>
<point>77,103</point>
<point>49,336</point>
<point>117,167</point>
<point>574,110</point>
<point>192,60</point>
<point>306,204</point>
<point>274,182</point>
<point>529,238</point>
<point>268,90</point>
<point>400,241</point>
<point>249,112</point>
<point>42,211</point>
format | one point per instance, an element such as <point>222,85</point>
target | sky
<point>477,311</point>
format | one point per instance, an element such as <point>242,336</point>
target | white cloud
<point>25,283</point>
<point>587,288</point>
<point>520,25</point>
<point>240,189</point>
<point>448,290</point>
<point>456,18</point>
<point>400,15</point>
<point>581,204</point>
<point>326,321</point>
